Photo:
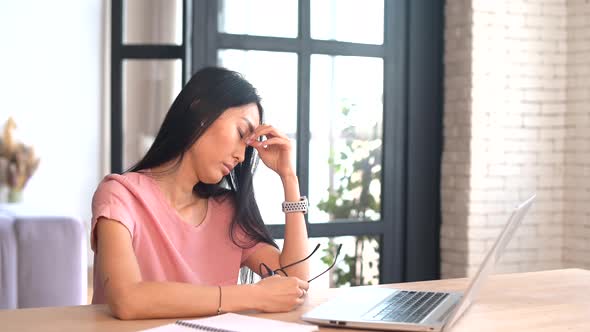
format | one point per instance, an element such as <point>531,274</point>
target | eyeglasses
<point>281,271</point>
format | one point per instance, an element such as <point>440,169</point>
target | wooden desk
<point>538,301</point>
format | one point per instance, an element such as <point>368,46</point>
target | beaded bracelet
<point>219,312</point>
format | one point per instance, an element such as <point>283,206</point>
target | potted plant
<point>17,164</point>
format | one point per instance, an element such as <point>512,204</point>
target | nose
<point>240,154</point>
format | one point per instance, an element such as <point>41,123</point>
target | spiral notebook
<point>233,323</point>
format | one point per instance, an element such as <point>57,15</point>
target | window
<point>148,67</point>
<point>355,83</point>
<point>322,82</point>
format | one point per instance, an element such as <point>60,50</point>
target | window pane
<point>259,17</point>
<point>357,264</point>
<point>346,115</point>
<point>274,75</point>
<point>152,22</point>
<point>149,88</point>
<point>356,21</point>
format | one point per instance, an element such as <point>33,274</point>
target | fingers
<point>286,293</point>
<point>265,130</point>
<point>268,130</point>
<point>270,141</point>
<point>303,284</point>
<point>303,292</point>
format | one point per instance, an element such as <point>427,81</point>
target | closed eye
<point>241,133</point>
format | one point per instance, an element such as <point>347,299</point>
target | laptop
<point>412,310</point>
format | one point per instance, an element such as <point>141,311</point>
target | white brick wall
<point>508,130</point>
<point>576,251</point>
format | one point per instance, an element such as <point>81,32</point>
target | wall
<point>456,159</point>
<point>51,65</point>
<point>505,131</point>
<point>577,147</point>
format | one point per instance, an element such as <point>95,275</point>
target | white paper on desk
<point>239,323</point>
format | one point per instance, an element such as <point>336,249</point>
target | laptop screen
<point>490,261</point>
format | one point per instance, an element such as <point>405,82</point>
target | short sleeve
<point>112,200</point>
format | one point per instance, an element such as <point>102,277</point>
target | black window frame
<point>121,52</point>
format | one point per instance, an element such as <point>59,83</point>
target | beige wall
<point>577,146</point>
<point>50,83</point>
<point>456,159</point>
<point>512,128</point>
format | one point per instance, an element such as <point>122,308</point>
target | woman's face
<point>223,145</point>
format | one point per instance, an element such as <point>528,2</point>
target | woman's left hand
<point>275,151</point>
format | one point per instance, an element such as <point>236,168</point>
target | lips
<point>227,168</point>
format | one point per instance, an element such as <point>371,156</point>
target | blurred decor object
<point>17,164</point>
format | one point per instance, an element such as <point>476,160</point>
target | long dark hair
<point>209,93</point>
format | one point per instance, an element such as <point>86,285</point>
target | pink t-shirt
<point>166,247</point>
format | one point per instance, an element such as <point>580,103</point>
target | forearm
<point>295,246</point>
<point>173,299</point>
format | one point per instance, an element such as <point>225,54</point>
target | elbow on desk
<point>124,307</point>
<point>123,311</point>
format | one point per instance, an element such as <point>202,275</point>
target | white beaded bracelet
<point>300,206</point>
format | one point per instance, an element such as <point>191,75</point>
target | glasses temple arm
<point>301,260</point>
<point>331,266</point>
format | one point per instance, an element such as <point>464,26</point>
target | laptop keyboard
<point>409,306</point>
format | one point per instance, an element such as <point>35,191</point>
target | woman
<point>171,234</point>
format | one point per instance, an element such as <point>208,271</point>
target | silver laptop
<point>409,310</point>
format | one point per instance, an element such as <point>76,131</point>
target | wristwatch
<point>300,206</point>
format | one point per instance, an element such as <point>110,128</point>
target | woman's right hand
<point>281,294</point>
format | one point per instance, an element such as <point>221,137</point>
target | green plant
<point>356,172</point>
